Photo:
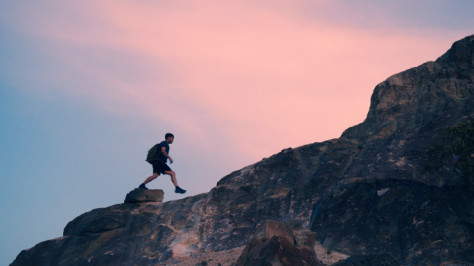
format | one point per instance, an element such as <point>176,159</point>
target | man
<point>160,166</point>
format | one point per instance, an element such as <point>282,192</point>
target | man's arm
<point>163,150</point>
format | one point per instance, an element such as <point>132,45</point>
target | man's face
<point>170,140</point>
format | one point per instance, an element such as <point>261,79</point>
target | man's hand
<point>171,160</point>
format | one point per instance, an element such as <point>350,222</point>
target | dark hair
<point>169,135</point>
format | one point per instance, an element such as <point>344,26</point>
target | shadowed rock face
<point>369,260</point>
<point>275,244</point>
<point>387,190</point>
<point>413,222</point>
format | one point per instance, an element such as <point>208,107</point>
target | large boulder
<point>275,244</point>
<point>144,195</point>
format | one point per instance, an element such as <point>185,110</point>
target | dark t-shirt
<point>160,155</point>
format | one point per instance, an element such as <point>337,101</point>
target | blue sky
<point>86,88</point>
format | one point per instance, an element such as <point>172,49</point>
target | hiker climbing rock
<point>158,155</point>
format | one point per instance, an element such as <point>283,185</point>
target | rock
<point>276,251</point>
<point>144,195</point>
<point>411,221</point>
<point>100,220</point>
<point>273,228</point>
<point>275,245</point>
<point>409,111</point>
<point>369,260</point>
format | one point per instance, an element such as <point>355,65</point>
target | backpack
<point>151,156</point>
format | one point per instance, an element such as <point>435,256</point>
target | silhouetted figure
<point>159,164</point>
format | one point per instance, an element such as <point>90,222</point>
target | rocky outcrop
<point>275,244</point>
<point>144,195</point>
<point>408,112</point>
<point>395,189</point>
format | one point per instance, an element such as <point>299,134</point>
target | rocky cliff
<point>397,189</point>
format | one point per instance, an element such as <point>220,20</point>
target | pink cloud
<point>251,78</point>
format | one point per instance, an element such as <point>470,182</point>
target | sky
<point>87,87</point>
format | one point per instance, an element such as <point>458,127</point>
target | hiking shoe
<point>142,186</point>
<point>179,190</point>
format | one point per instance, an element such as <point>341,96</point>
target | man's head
<point>169,138</point>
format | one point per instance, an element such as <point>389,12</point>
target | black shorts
<point>160,168</point>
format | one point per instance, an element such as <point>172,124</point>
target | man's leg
<point>173,177</point>
<point>150,178</point>
<point>175,182</point>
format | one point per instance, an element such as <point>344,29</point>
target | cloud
<point>250,77</point>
